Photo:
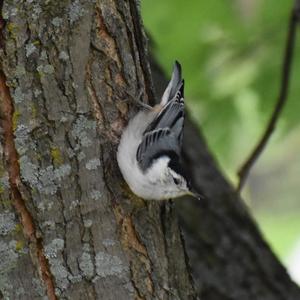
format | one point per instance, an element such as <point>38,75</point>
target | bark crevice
<point>11,156</point>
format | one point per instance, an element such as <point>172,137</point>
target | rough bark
<point>69,226</point>
<point>227,254</point>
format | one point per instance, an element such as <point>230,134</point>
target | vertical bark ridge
<point>132,245</point>
<point>141,42</point>
<point>11,156</point>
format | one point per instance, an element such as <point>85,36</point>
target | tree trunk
<point>229,258</point>
<point>69,226</point>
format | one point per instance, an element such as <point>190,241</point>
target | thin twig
<point>285,78</point>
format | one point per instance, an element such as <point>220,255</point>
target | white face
<point>178,183</point>
<point>164,182</point>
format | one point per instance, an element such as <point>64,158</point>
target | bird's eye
<point>176,181</point>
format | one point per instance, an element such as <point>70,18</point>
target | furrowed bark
<point>13,170</point>
<point>71,69</point>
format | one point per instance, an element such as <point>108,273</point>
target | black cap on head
<point>177,167</point>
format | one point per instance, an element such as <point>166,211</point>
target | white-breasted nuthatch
<point>149,152</point>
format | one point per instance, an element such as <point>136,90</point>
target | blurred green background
<point>231,52</point>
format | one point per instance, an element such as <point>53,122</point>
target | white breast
<point>126,156</point>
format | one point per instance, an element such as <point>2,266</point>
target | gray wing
<point>171,115</point>
<point>164,134</point>
<point>155,144</point>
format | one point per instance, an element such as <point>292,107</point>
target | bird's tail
<point>175,85</point>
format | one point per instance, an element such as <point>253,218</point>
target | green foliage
<point>232,59</point>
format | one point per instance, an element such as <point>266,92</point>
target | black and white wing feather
<point>163,136</point>
<point>155,144</point>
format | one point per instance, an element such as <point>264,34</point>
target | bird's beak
<point>196,195</point>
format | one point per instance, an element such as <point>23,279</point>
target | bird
<point>149,151</point>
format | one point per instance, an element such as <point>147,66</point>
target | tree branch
<point>283,95</point>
